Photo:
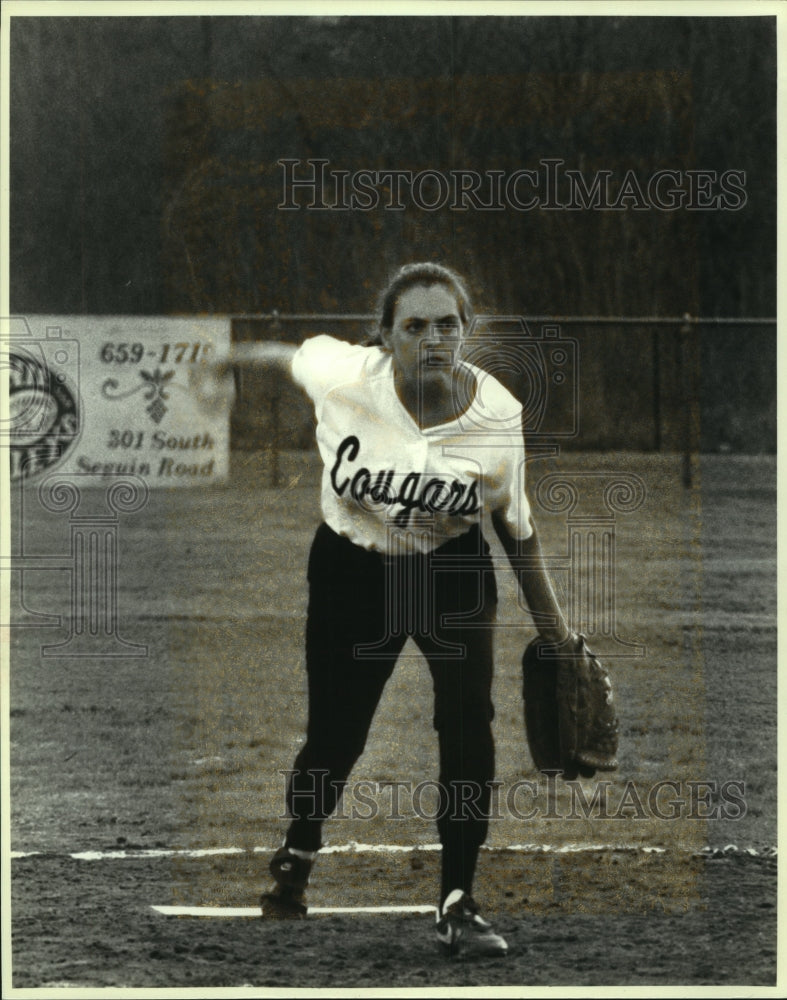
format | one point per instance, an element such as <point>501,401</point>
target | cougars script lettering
<point>372,489</point>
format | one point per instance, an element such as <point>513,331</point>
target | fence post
<point>275,413</point>
<point>688,365</point>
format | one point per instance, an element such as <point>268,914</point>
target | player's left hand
<point>570,715</point>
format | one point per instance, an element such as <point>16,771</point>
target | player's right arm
<point>214,383</point>
<point>316,365</point>
<point>260,354</point>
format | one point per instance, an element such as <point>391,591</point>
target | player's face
<point>424,337</point>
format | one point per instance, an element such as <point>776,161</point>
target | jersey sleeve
<point>321,363</point>
<point>506,486</point>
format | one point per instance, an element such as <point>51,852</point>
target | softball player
<point>411,461</point>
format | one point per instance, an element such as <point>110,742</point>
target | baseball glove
<point>570,716</point>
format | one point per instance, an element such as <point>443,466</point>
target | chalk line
<point>157,852</point>
<point>121,854</point>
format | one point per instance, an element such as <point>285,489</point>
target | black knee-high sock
<point>458,869</point>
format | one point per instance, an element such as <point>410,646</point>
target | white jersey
<point>391,486</point>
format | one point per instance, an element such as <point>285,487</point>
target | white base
<point>254,911</point>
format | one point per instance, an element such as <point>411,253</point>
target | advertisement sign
<point>114,395</point>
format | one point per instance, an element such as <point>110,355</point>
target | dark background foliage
<point>145,179</point>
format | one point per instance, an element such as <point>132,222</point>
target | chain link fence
<point>683,384</point>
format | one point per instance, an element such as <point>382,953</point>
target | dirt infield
<point>183,748</point>
<point>90,924</point>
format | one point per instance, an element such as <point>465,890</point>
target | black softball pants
<point>362,608</point>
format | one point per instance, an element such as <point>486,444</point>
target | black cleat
<point>282,903</point>
<point>286,899</point>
